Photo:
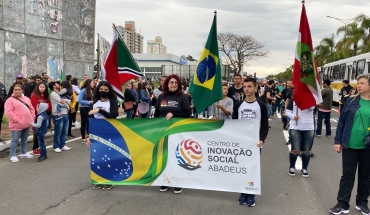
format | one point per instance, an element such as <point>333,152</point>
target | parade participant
<point>301,134</point>
<point>76,90</point>
<point>2,103</point>
<point>285,100</point>
<point>20,114</point>
<point>39,95</point>
<point>251,103</point>
<point>172,103</point>
<point>105,106</point>
<point>352,139</point>
<point>343,92</point>
<point>18,80</point>
<point>325,109</point>
<point>159,90</point>
<point>128,104</point>
<point>86,100</point>
<point>223,108</point>
<point>268,94</point>
<point>145,98</point>
<point>236,92</point>
<point>137,100</point>
<point>40,128</point>
<point>60,120</point>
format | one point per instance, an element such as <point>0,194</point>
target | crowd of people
<point>42,100</point>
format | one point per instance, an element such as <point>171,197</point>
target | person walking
<point>352,139</point>
<point>105,107</point>
<point>180,107</point>
<point>128,104</point>
<point>20,114</point>
<point>145,98</point>
<point>60,119</point>
<point>2,103</point>
<point>223,108</point>
<point>343,92</point>
<point>86,100</point>
<point>325,109</point>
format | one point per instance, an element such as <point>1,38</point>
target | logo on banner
<point>189,155</point>
<point>251,183</point>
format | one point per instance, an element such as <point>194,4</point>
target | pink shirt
<point>19,116</point>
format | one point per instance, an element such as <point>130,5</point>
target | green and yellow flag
<point>206,84</point>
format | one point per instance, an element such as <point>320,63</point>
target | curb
<point>6,145</point>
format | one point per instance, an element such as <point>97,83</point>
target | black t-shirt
<point>268,90</point>
<point>236,94</point>
<point>285,94</point>
<point>178,105</point>
<point>344,91</point>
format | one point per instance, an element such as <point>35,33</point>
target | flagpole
<point>132,57</point>
<point>98,60</point>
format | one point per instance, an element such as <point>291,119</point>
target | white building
<point>156,46</point>
<point>134,41</point>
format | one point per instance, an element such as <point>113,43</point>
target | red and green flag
<point>307,90</point>
<point>120,66</point>
<point>206,84</point>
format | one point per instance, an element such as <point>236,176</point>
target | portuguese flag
<point>120,66</point>
<point>206,84</point>
<point>307,91</point>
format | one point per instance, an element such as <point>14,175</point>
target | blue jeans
<point>41,139</point>
<point>278,105</point>
<point>301,141</point>
<point>273,107</point>
<point>129,113</point>
<point>16,135</point>
<point>326,117</point>
<point>149,111</point>
<point>60,131</point>
<point>269,110</point>
<point>195,115</point>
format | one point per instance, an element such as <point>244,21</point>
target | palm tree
<point>365,26</point>
<point>353,34</point>
<point>325,51</point>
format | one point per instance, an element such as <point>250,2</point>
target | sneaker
<point>57,150</point>
<point>163,188</point>
<point>318,135</point>
<point>36,152</point>
<point>291,172</point>
<point>338,210</point>
<point>250,201</point>
<point>40,159</point>
<point>242,199</point>
<point>287,143</point>
<point>73,123</point>
<point>177,190</point>
<point>83,140</point>
<point>26,155</point>
<point>312,154</point>
<point>327,135</point>
<point>97,186</point>
<point>65,148</point>
<point>77,123</point>
<point>107,187</point>
<point>1,140</point>
<point>304,173</point>
<point>71,136</point>
<point>14,159</point>
<point>364,209</point>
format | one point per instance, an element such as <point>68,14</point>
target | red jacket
<point>35,100</point>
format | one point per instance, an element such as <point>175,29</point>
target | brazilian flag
<point>206,84</point>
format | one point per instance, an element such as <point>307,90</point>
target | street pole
<point>344,21</point>
<point>98,59</point>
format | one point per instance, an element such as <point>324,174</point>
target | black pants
<point>350,159</point>
<point>134,112</point>
<point>70,118</point>
<point>84,112</point>
<point>1,114</point>
<point>35,142</point>
<point>74,114</point>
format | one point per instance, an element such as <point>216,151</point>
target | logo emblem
<point>251,183</point>
<point>306,64</point>
<point>163,103</point>
<point>189,155</point>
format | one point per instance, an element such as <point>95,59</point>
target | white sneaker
<point>73,123</point>
<point>57,150</point>
<point>26,155</point>
<point>14,159</point>
<point>77,123</point>
<point>65,148</point>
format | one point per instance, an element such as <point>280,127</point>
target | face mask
<point>103,94</point>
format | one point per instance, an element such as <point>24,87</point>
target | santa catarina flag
<point>307,91</point>
<point>119,66</point>
<point>206,84</point>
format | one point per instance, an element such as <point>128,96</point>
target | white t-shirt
<point>250,111</point>
<point>305,121</point>
<point>101,105</point>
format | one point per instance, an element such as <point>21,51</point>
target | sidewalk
<point>6,134</point>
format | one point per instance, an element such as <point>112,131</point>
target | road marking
<point>334,109</point>
<point>278,115</point>
<point>47,147</point>
<point>298,163</point>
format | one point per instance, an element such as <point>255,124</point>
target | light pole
<point>344,21</point>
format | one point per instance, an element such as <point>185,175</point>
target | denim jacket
<point>344,127</point>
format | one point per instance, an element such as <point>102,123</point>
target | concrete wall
<point>46,36</point>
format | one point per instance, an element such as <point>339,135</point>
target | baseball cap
<point>19,76</point>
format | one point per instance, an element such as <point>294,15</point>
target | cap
<point>19,76</point>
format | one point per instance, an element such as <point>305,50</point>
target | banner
<point>188,153</point>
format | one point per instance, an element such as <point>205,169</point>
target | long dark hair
<point>74,81</point>
<point>88,89</point>
<point>112,95</point>
<point>165,85</point>
<point>37,92</point>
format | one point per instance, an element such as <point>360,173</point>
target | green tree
<point>365,26</point>
<point>325,51</point>
<point>190,58</point>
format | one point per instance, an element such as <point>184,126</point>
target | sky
<point>184,25</point>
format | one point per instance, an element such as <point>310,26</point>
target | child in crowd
<point>40,128</point>
<point>65,93</point>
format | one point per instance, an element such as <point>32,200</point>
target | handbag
<point>143,108</point>
<point>128,105</point>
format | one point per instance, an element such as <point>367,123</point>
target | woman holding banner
<point>105,106</point>
<point>172,103</point>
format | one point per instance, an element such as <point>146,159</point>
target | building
<point>132,39</point>
<point>156,46</point>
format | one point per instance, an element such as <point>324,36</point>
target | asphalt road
<point>61,186</point>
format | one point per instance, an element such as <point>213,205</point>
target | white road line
<point>334,109</point>
<point>278,115</point>
<point>298,163</point>
<point>68,141</point>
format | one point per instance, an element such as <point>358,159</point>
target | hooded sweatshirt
<point>19,115</point>
<point>42,119</point>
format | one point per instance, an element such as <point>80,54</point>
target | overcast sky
<point>184,25</point>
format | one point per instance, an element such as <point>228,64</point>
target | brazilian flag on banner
<point>206,84</point>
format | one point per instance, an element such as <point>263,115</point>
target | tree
<point>190,58</point>
<point>365,26</point>
<point>325,51</point>
<point>237,50</point>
